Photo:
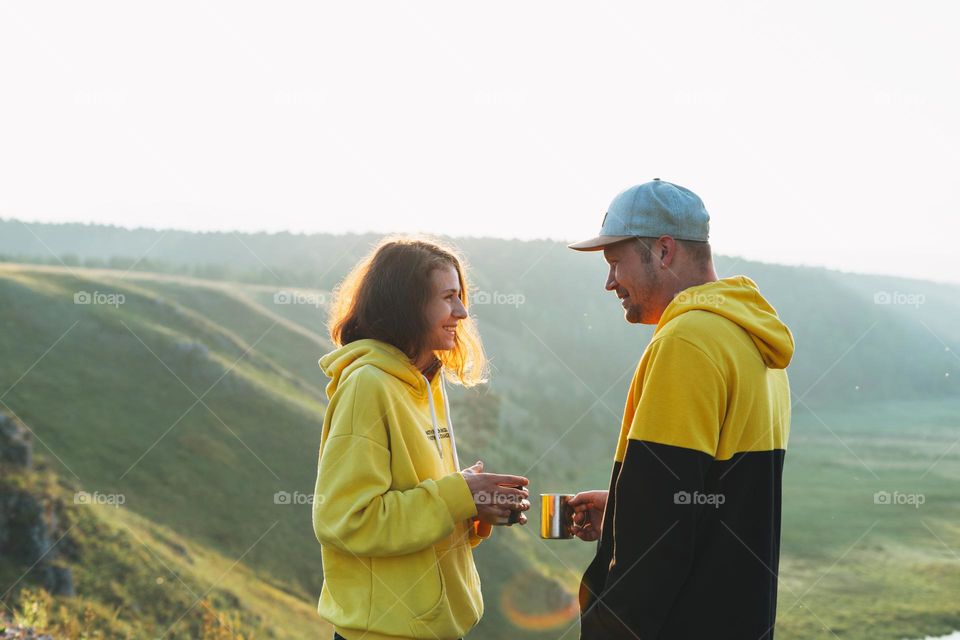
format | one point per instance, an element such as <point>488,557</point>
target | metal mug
<point>514,517</point>
<point>556,516</point>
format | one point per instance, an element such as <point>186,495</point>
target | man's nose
<point>611,283</point>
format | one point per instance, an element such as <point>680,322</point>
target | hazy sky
<point>816,133</point>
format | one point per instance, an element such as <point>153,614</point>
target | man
<point>690,528</point>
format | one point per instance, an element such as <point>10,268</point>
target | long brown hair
<point>385,296</point>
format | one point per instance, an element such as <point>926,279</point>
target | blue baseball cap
<point>650,210</point>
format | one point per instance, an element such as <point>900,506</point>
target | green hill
<point>137,578</point>
<point>199,399</point>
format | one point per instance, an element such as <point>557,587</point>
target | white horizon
<point>819,137</point>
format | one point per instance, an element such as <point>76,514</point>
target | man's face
<point>636,283</point>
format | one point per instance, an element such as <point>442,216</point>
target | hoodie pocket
<point>441,603</point>
<point>407,586</point>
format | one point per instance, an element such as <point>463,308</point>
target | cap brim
<point>598,243</point>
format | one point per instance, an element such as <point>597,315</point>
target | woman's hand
<point>496,495</point>
<point>588,507</point>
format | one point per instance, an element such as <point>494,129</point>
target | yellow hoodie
<point>395,518</point>
<point>690,543</point>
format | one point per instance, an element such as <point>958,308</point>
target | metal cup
<point>556,516</point>
<point>514,517</point>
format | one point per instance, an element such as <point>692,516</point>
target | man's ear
<point>665,251</point>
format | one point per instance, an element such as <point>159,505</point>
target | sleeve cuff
<point>483,529</point>
<point>455,492</point>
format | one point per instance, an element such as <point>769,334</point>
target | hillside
<point>199,399</point>
<point>192,400</point>
<point>563,301</point>
<point>117,574</point>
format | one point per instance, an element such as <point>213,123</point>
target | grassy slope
<point>135,578</point>
<point>100,400</point>
<point>104,397</point>
<point>898,573</point>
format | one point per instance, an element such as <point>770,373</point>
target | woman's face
<point>444,309</point>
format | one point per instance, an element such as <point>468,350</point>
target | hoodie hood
<point>340,363</point>
<point>738,299</point>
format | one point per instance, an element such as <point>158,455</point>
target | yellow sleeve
<point>354,507</point>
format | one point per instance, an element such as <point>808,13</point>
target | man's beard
<point>633,313</point>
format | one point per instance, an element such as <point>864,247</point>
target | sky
<point>818,133</point>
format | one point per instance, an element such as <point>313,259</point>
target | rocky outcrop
<point>16,444</point>
<point>30,524</point>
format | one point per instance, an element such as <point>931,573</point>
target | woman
<point>396,518</point>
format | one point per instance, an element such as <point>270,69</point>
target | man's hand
<point>588,507</point>
<point>496,495</point>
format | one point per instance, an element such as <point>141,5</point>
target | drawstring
<point>433,414</point>
<point>446,406</point>
<point>433,418</point>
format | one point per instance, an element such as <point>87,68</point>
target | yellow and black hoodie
<point>394,516</point>
<point>691,533</point>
